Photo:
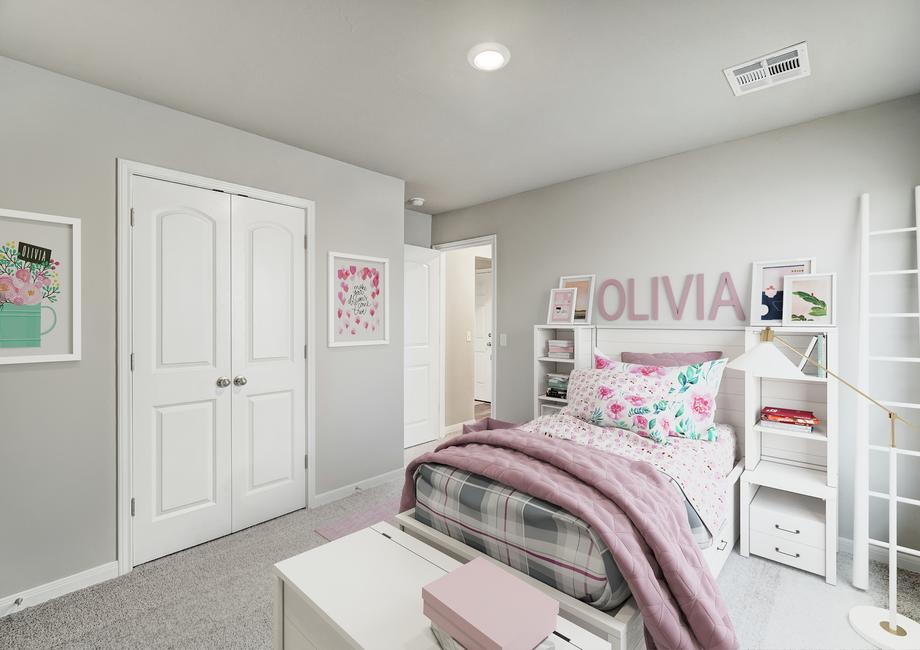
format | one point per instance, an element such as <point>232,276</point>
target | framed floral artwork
<point>39,288</point>
<point>767,291</point>
<point>810,300</point>
<point>561,309</point>
<point>359,300</point>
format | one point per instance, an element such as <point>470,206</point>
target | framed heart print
<point>358,300</point>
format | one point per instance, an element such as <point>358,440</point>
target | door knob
<point>240,380</point>
<point>223,382</point>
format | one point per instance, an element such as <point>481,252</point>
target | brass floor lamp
<point>883,628</point>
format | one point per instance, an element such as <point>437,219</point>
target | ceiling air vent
<point>769,70</point>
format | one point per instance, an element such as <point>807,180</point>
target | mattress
<point>535,537</point>
<point>547,542</point>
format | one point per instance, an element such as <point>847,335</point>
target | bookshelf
<point>789,491</point>
<point>583,340</point>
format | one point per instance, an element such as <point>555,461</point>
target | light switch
<point>503,340</point>
<point>469,336</point>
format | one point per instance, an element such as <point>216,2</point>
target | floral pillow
<point>652,401</point>
<point>602,361</point>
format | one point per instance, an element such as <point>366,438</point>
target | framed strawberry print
<point>359,298</point>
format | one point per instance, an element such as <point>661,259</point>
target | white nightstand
<point>364,590</point>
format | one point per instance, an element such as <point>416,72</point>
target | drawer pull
<point>786,530</point>
<point>722,545</point>
<point>776,548</point>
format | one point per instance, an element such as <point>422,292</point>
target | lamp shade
<point>766,360</point>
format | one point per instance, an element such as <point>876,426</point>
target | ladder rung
<point>903,405</point>
<point>892,231</point>
<point>895,315</point>
<point>898,450</point>
<point>898,272</point>
<point>896,359</point>
<point>882,495</point>
<point>901,549</point>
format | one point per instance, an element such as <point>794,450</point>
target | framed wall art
<point>810,300</point>
<point>767,287</point>
<point>561,309</point>
<point>359,300</point>
<point>39,288</point>
<point>584,296</point>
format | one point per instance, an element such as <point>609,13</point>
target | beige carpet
<point>218,595</point>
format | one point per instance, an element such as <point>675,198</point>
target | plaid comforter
<point>526,533</point>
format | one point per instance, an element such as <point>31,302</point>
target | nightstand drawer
<point>788,517</point>
<point>800,556</point>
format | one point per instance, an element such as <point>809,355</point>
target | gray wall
<point>418,228</point>
<point>60,139</point>
<point>785,193</point>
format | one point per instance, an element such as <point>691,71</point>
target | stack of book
<point>780,419</point>
<point>560,349</point>
<point>816,350</point>
<point>557,385</point>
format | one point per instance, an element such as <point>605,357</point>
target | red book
<point>788,415</point>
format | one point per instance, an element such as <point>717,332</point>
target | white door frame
<point>494,337</point>
<point>124,399</point>
<point>485,240</point>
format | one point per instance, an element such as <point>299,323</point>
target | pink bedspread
<point>629,504</point>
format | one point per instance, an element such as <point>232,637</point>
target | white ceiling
<point>384,84</point>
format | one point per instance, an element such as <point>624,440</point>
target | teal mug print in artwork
<point>29,280</point>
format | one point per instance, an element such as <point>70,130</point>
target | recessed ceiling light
<point>416,201</point>
<point>489,56</point>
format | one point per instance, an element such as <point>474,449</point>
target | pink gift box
<point>486,608</point>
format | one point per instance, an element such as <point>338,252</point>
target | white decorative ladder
<point>911,411</point>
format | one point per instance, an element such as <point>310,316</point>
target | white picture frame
<point>584,297</point>
<point>355,300</point>
<point>561,308</point>
<point>766,302</point>
<point>799,311</point>
<point>60,287</point>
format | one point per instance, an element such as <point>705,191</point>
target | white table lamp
<point>883,628</point>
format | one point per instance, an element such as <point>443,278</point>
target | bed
<point>468,515</point>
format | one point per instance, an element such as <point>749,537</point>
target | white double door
<point>219,371</point>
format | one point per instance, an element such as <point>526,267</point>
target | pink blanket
<point>629,504</point>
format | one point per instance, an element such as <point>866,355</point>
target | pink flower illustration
<point>702,404</point>
<point>615,409</point>
<point>352,269</point>
<point>7,290</point>
<point>641,422</point>
<point>648,371</point>
<point>605,392</point>
<point>341,274</point>
<point>664,423</point>
<point>600,363</point>
<point>31,295</point>
<point>22,278</point>
<point>635,400</point>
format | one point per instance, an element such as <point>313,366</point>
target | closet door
<point>181,345</point>
<point>268,360</point>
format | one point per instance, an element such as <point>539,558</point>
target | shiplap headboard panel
<point>730,401</point>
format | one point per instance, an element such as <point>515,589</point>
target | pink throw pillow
<point>668,359</point>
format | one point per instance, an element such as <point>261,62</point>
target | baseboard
<point>58,587</point>
<point>348,490</point>
<point>908,562</point>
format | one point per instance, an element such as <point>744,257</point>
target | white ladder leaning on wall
<point>866,359</point>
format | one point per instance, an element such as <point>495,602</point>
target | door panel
<point>421,376</point>
<point>181,344</point>
<point>269,288</point>
<point>482,346</point>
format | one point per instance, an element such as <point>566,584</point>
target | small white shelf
<point>805,378</point>
<point>582,338</point>
<point>818,435</point>
<point>790,478</point>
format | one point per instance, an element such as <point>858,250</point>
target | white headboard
<point>730,401</point>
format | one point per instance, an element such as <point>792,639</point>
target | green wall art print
<point>810,300</point>
<point>39,288</point>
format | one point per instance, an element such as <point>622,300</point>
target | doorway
<point>215,391</point>
<point>469,348</point>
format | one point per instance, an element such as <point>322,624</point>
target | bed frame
<point>622,627</point>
